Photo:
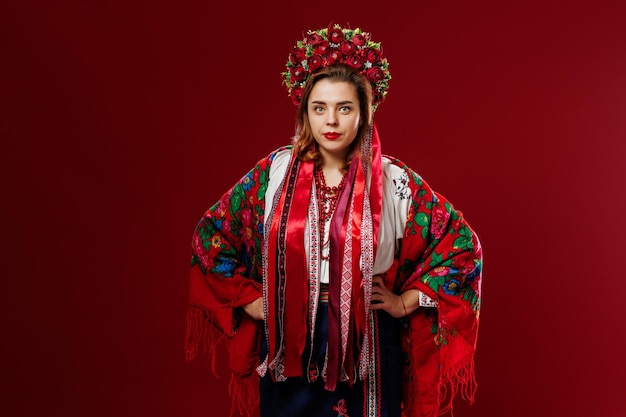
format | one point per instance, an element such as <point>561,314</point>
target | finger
<point>377,306</point>
<point>377,281</point>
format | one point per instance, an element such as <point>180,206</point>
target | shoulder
<point>276,157</point>
<point>281,155</point>
<point>400,174</point>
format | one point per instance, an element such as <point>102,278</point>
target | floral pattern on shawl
<point>227,240</point>
<point>440,255</point>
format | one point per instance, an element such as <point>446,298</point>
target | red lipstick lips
<point>331,135</point>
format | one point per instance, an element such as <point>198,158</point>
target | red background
<point>122,121</point>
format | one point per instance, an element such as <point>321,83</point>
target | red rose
<point>335,36</point>
<point>376,96</point>
<point>296,95</point>
<point>315,62</point>
<point>347,48</point>
<point>373,55</point>
<point>354,61</point>
<point>297,74</point>
<point>315,39</point>
<point>320,49</point>
<point>297,55</point>
<point>358,39</point>
<point>464,262</point>
<point>375,74</point>
<point>334,55</point>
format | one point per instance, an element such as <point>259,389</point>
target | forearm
<point>255,309</point>
<point>410,300</point>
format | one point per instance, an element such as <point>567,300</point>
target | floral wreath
<point>332,45</point>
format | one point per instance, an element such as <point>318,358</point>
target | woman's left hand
<point>385,299</point>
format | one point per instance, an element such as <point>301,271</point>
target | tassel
<point>244,394</point>
<point>198,336</point>
<point>463,380</point>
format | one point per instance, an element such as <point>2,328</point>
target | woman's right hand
<point>255,309</point>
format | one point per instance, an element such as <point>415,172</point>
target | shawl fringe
<point>448,360</point>
<point>244,394</point>
<point>459,380</point>
<point>202,337</point>
<point>199,336</point>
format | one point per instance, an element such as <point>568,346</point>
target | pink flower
<point>201,253</point>
<point>438,222</point>
<point>246,217</point>
<point>441,271</point>
<point>226,225</point>
<point>197,244</point>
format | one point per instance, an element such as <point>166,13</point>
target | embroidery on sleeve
<point>426,301</point>
<point>401,185</point>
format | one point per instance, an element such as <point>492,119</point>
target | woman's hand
<point>396,305</point>
<point>255,309</point>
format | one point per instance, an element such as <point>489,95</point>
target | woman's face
<point>334,115</point>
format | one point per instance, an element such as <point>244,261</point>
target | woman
<point>343,284</point>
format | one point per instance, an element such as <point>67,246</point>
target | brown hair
<point>305,145</point>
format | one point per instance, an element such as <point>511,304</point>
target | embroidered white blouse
<point>396,203</point>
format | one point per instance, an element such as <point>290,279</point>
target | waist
<point>323,293</point>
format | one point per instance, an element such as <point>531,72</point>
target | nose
<point>332,119</point>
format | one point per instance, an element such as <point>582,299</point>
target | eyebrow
<point>340,103</point>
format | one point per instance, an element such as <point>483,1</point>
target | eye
<point>345,109</point>
<point>318,109</point>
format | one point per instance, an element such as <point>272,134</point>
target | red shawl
<point>440,255</point>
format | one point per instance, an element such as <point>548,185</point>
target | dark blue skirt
<point>296,397</point>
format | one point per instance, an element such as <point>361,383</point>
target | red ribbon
<point>296,304</point>
<point>337,234</point>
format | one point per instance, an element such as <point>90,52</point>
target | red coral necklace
<point>327,202</point>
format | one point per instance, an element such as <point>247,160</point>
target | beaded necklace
<point>327,202</point>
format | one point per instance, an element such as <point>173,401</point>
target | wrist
<point>410,300</point>
<point>406,313</point>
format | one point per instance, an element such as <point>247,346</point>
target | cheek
<point>355,127</point>
<point>314,123</point>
